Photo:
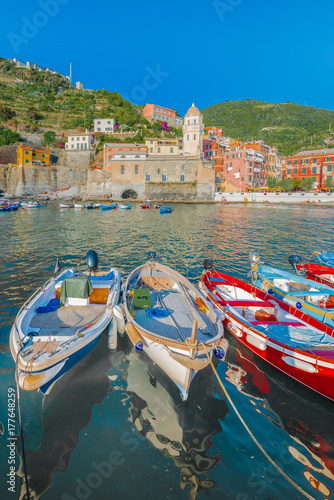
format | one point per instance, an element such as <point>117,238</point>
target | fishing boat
<point>61,322</point>
<point>285,337</point>
<point>125,207</point>
<point>145,207</point>
<point>108,207</point>
<point>311,270</point>
<point>164,210</point>
<point>66,205</point>
<point>79,205</point>
<point>167,319</point>
<point>312,298</point>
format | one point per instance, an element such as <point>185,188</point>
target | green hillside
<point>288,126</point>
<point>34,101</point>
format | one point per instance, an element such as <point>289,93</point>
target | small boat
<point>145,206</point>
<point>125,207</point>
<point>312,298</point>
<point>312,270</point>
<point>167,319</point>
<point>61,322</point>
<point>164,210</point>
<point>92,206</point>
<point>9,207</point>
<point>66,205</point>
<point>108,207</point>
<point>325,258</point>
<point>283,336</point>
<point>78,205</point>
<point>35,204</point>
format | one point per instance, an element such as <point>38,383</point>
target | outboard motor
<point>208,265</point>
<point>293,260</point>
<point>92,261</point>
<point>255,259</point>
<point>152,256</point>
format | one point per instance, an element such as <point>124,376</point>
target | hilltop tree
<point>49,137</point>
<point>6,114</point>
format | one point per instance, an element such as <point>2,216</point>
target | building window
<point>26,161</point>
<point>233,156</point>
<point>110,157</point>
<point>194,137</point>
<point>314,170</point>
<point>295,170</point>
<point>148,177</point>
<point>158,150</point>
<point>151,150</point>
<point>250,178</point>
<point>78,146</point>
<point>84,138</point>
<point>122,169</point>
<point>72,146</point>
<point>289,171</point>
<point>329,168</point>
<point>182,177</point>
<point>26,153</point>
<point>85,146</point>
<point>99,123</point>
<point>295,162</point>
<point>171,150</point>
<point>158,171</point>
<point>188,137</point>
<point>164,177</point>
<point>81,145</point>
<point>314,160</point>
<point>34,154</point>
<point>194,120</point>
<point>72,138</point>
<point>303,170</point>
<point>328,159</point>
<point>136,169</point>
<point>108,123</point>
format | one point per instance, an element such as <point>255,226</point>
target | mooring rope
<point>20,424</point>
<point>250,432</point>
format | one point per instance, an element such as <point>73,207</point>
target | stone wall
<point>75,159</point>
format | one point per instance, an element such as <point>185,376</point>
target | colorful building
<point>20,155</point>
<point>154,113</point>
<point>317,164</point>
<point>193,131</point>
<point>104,125</point>
<point>123,152</point>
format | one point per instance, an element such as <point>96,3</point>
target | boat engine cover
<point>92,260</point>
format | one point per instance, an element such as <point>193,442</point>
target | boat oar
<point>193,311</point>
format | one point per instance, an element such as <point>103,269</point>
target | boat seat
<point>287,323</point>
<point>218,281</point>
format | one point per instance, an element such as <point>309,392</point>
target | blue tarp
<point>157,312</point>
<point>53,305</point>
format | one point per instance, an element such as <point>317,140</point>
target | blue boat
<point>165,210</point>
<point>108,207</point>
<point>313,298</point>
<point>7,207</point>
<point>62,321</point>
<point>36,205</point>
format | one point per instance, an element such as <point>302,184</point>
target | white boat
<point>66,205</point>
<point>61,323</point>
<point>168,320</point>
<point>77,205</point>
<point>125,207</point>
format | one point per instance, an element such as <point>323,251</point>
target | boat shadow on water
<point>181,430</point>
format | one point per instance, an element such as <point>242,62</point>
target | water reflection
<point>182,431</point>
<point>65,412</point>
<point>305,416</point>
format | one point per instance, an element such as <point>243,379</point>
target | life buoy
<point>264,316</point>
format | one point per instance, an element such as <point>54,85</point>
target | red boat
<point>145,206</point>
<point>313,270</point>
<point>296,344</point>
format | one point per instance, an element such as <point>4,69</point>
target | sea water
<point>114,426</point>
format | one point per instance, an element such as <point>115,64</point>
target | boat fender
<point>112,334</point>
<point>299,364</point>
<point>219,352</point>
<point>234,330</point>
<point>118,314</point>
<point>135,337</point>
<point>256,342</point>
<point>299,305</point>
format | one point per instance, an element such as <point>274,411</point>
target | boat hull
<point>313,369</point>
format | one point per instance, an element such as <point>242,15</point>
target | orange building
<point>154,113</point>
<point>19,155</point>
<point>317,164</point>
<point>109,151</point>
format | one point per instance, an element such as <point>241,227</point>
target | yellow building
<point>163,146</point>
<point>28,156</point>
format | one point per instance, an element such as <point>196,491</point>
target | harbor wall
<point>274,198</point>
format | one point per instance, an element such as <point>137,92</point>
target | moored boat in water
<point>283,336</point>
<point>311,298</point>
<point>61,322</point>
<point>311,270</point>
<point>167,319</point>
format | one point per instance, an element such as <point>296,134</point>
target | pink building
<point>244,168</point>
<point>154,113</point>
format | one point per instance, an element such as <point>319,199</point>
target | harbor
<point>116,421</point>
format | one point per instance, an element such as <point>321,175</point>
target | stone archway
<point>129,194</point>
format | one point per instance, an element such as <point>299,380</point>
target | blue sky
<point>171,53</point>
